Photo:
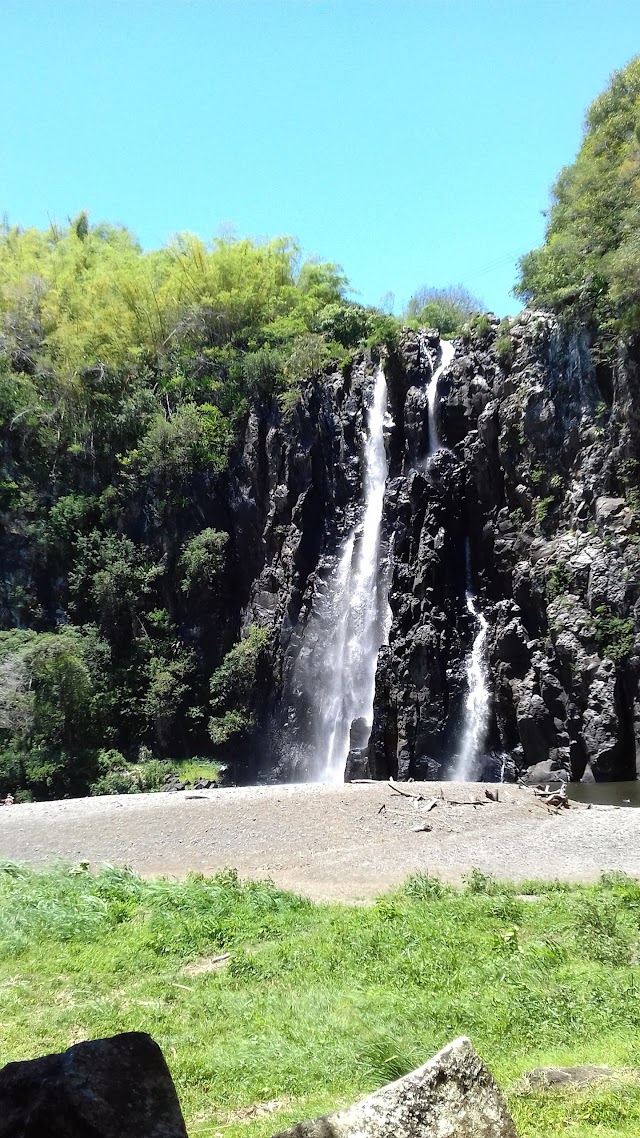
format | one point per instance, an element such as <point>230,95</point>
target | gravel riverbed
<point>348,842</point>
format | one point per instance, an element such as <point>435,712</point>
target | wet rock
<point>106,1088</point>
<point>530,501</point>
<point>172,784</point>
<point>454,1094</point>
<point>357,765</point>
<point>548,771</point>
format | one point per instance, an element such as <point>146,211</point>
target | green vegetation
<point>446,309</point>
<point>613,634</point>
<point>126,378</point>
<point>202,559</point>
<point>504,350</point>
<point>542,508</point>
<point>188,770</point>
<point>233,687</point>
<point>589,264</point>
<point>319,1004</point>
<point>117,776</point>
<point>559,581</point>
<point>480,326</point>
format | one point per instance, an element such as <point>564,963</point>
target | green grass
<point>188,770</point>
<point>320,1004</point>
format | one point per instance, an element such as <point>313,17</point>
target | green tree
<point>588,264</point>
<point>202,560</point>
<point>446,309</point>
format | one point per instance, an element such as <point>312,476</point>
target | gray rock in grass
<point>453,1096</point>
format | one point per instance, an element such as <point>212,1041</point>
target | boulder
<point>105,1088</point>
<point>452,1096</point>
<point>609,507</point>
<point>552,1078</point>
<point>549,771</point>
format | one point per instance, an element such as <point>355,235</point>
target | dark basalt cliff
<point>535,499</point>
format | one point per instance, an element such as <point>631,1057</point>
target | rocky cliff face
<point>534,503</point>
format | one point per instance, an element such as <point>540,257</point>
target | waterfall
<point>446,355</point>
<point>476,704</point>
<point>349,621</point>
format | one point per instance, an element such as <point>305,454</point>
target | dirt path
<point>330,842</point>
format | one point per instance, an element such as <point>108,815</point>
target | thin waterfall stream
<point>446,355</point>
<point>477,701</point>
<point>476,704</point>
<point>350,620</point>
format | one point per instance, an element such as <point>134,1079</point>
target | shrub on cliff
<point>233,688</point>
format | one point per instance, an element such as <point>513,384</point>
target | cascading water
<point>349,621</point>
<point>477,701</point>
<point>446,355</point>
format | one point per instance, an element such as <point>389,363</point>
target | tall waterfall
<point>446,355</point>
<point>477,701</point>
<point>349,621</point>
<point>476,704</point>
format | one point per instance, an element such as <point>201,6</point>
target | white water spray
<point>477,701</point>
<point>446,355</point>
<point>349,621</point>
<point>476,704</point>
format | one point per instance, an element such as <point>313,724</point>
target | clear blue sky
<point>412,141</point>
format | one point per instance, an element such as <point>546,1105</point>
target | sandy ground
<point>345,843</point>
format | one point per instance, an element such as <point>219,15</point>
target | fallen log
<point>467,802</point>
<point>556,798</point>
<point>405,793</point>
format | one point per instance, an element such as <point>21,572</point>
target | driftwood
<point>467,802</point>
<point>406,793</point>
<point>556,799</point>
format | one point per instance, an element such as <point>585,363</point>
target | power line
<point>506,259</point>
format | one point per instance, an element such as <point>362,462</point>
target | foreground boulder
<point>452,1096</point>
<point>106,1088</point>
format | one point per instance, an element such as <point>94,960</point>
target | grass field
<point>319,1004</point>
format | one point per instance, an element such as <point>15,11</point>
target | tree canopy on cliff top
<point>590,261</point>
